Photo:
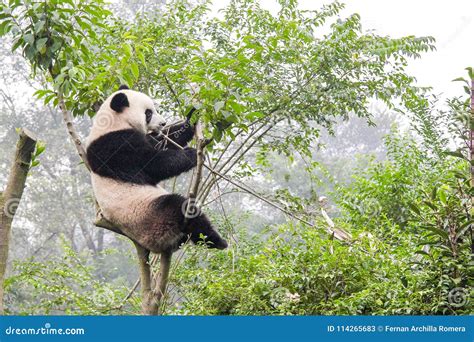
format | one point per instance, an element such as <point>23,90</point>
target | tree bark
<point>100,240</point>
<point>154,305</point>
<point>162,280</point>
<point>68,121</point>
<point>149,304</point>
<point>11,197</point>
<point>471,155</point>
<point>471,134</point>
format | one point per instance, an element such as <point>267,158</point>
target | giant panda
<point>126,170</point>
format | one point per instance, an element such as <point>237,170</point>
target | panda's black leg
<point>173,207</point>
<point>201,226</point>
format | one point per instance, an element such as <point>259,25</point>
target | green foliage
<point>428,193</point>
<point>50,33</point>
<point>250,73</point>
<point>64,284</point>
<point>249,68</point>
<point>81,50</point>
<point>409,255</point>
<point>385,190</point>
<point>253,67</point>
<point>297,271</point>
<point>410,198</point>
<point>411,221</point>
<point>40,147</point>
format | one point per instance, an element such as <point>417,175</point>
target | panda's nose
<point>163,124</point>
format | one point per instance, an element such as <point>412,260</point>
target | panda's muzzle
<point>155,130</point>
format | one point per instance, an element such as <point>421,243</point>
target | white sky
<point>451,23</point>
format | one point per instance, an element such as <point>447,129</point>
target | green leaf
<point>414,208</point>
<point>470,72</point>
<point>218,106</point>
<point>127,49</point>
<point>40,147</point>
<point>141,57</point>
<point>135,70</point>
<point>29,38</point>
<point>5,27</point>
<point>39,26</point>
<point>457,154</point>
<point>437,231</point>
<point>460,79</point>
<point>254,115</point>
<point>442,196</point>
<point>41,44</point>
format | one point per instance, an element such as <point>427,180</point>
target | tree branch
<point>100,221</point>
<point>149,305</point>
<point>68,120</point>
<point>10,198</point>
<point>165,257</point>
<point>341,237</point>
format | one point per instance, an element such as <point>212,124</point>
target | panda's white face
<point>140,112</point>
<point>127,109</point>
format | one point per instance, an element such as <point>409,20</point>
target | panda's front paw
<point>190,114</point>
<point>191,155</point>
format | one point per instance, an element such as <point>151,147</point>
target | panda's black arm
<point>127,155</point>
<point>181,132</point>
<point>161,165</point>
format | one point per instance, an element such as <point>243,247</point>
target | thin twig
<point>253,193</point>
<point>170,87</point>
<point>68,120</point>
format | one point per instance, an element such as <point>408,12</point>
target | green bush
<point>299,271</point>
<point>410,252</point>
<point>65,284</point>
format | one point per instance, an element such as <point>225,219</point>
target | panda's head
<point>127,109</point>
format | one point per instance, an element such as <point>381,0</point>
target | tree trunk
<point>10,198</point>
<point>154,290</point>
<point>162,281</point>
<point>149,304</point>
<point>471,154</point>
<point>471,133</point>
<point>100,240</point>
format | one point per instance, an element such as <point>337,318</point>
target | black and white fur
<point>127,169</point>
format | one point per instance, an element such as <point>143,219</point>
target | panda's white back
<point>122,203</point>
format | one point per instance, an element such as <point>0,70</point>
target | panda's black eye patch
<point>149,114</point>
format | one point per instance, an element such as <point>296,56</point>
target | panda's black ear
<point>123,86</point>
<point>119,102</point>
